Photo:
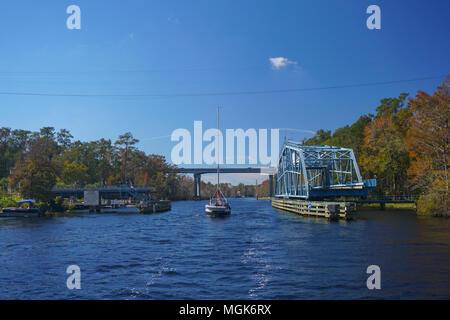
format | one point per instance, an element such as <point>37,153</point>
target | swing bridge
<point>319,172</point>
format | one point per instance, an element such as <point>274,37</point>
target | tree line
<point>33,163</point>
<point>405,145</point>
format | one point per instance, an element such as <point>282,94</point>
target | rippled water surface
<point>256,253</point>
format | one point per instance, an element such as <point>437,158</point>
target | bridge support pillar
<point>271,186</point>
<point>197,186</point>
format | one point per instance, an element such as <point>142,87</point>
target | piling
<point>326,209</point>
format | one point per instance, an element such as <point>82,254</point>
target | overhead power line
<point>104,71</point>
<point>225,93</point>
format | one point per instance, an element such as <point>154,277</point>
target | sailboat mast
<point>218,150</point>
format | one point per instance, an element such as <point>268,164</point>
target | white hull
<point>217,209</point>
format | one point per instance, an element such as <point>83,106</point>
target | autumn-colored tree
<point>428,145</point>
<point>383,153</point>
<point>185,187</point>
<point>262,190</point>
<point>35,179</point>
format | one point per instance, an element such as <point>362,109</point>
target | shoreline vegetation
<point>390,206</point>
<point>405,145</point>
<point>33,163</point>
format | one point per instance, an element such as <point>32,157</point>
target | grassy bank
<point>390,206</point>
<point>6,202</point>
<point>57,205</point>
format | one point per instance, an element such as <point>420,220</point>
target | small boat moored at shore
<point>20,212</point>
<point>149,207</point>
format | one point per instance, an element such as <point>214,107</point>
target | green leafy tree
<point>345,137</point>
<point>64,138</point>
<point>126,143</point>
<point>73,173</point>
<point>47,132</point>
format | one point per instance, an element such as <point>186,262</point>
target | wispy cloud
<point>131,36</point>
<point>174,20</point>
<point>281,62</point>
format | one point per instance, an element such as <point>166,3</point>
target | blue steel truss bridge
<point>319,172</point>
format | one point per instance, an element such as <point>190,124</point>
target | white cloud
<point>131,35</point>
<point>281,62</point>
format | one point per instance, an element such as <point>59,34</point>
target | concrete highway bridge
<point>197,172</point>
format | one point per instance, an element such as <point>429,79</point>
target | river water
<point>256,253</point>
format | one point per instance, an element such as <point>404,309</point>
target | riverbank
<point>393,206</point>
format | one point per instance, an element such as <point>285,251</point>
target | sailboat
<point>218,204</point>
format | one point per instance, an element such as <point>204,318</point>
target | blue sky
<point>171,47</point>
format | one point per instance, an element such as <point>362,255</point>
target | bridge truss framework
<point>317,172</point>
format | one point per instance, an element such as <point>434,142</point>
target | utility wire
<point>205,94</point>
<point>71,72</point>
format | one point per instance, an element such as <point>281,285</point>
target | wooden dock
<point>325,209</point>
<point>155,206</point>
